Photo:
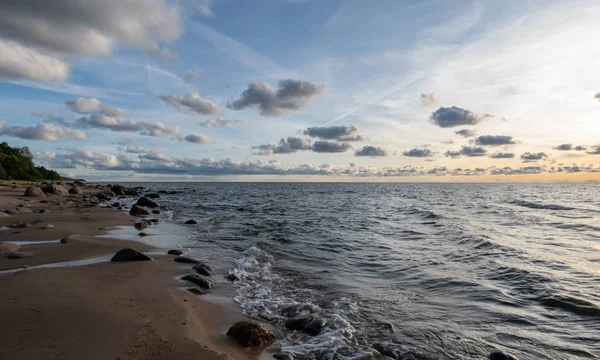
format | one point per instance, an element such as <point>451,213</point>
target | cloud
<point>418,153</point>
<point>127,141</point>
<point>289,95</point>
<point>427,99</point>
<point>465,132</point>
<point>494,140</point>
<point>197,139</point>
<point>204,7</point>
<point>447,117</point>
<point>470,151</point>
<point>191,103</point>
<point>597,96</point>
<point>329,147</point>
<point>339,133</point>
<point>221,123</point>
<point>83,105</point>
<point>285,146</point>
<point>136,150</point>
<point>518,171</point>
<point>43,156</point>
<point>44,132</point>
<point>193,75</point>
<point>569,146</point>
<point>500,155</point>
<point>39,36</point>
<point>116,124</point>
<point>531,157</point>
<point>370,151</point>
<point>51,119</point>
<point>595,150</point>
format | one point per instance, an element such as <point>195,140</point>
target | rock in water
<point>152,196</point>
<point>138,211</point>
<point>102,196</point>
<point>54,189</point>
<point>34,191</point>
<point>175,252</point>
<point>308,323</point>
<point>145,202</point>
<point>499,355</point>
<point>140,225</point>
<point>196,291</point>
<point>203,269</point>
<point>198,280</point>
<point>191,222</point>
<point>129,254</point>
<point>142,234</point>
<point>251,334</point>
<point>156,212</point>
<point>7,248</point>
<point>75,190</point>
<point>118,189</point>
<point>283,356</point>
<point>186,260</point>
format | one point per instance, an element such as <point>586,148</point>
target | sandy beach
<point>102,310</point>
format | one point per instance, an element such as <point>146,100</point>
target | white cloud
<point>193,75</point>
<point>83,105</point>
<point>44,132</point>
<point>197,139</point>
<point>191,103</point>
<point>221,123</point>
<point>17,61</point>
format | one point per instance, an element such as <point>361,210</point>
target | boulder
<point>102,196</point>
<point>154,221</point>
<point>499,355</point>
<point>67,239</point>
<point>251,334</point>
<point>24,210</point>
<point>44,211</point>
<point>196,291</point>
<point>3,214</point>
<point>140,225</point>
<point>186,260</point>
<point>145,202</point>
<point>152,196</point>
<point>75,190</point>
<point>232,277</point>
<point>156,212</point>
<point>7,248</point>
<point>116,205</point>
<point>175,252</point>
<point>53,189</point>
<point>79,183</point>
<point>203,269</point>
<point>385,349</point>
<point>20,225</point>
<point>19,255</point>
<point>118,189</point>
<point>191,222</point>
<point>138,211</point>
<point>131,192</point>
<point>198,280</point>
<point>142,234</point>
<point>34,191</point>
<point>311,324</point>
<point>241,209</point>
<point>129,254</point>
<point>11,212</point>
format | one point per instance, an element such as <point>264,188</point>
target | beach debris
<point>186,260</point>
<point>54,189</point>
<point>251,334</point>
<point>140,225</point>
<point>7,248</point>
<point>203,269</point>
<point>191,222</point>
<point>196,291</point>
<point>138,211</point>
<point>145,202</point>
<point>130,254</point>
<point>75,190</point>
<point>198,280</point>
<point>175,252</point>
<point>152,196</point>
<point>34,191</point>
<point>499,355</point>
<point>19,255</point>
<point>311,324</point>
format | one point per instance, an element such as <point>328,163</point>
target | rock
<point>163,192</point>
<point>191,222</point>
<point>154,221</point>
<point>140,225</point>
<point>143,234</point>
<point>297,309</point>
<point>152,196</point>
<point>34,191</point>
<point>79,183</point>
<point>186,260</point>
<point>19,255</point>
<point>116,205</point>
<point>75,190</point>
<point>156,212</point>
<point>138,211</point>
<point>386,350</point>
<point>19,225</point>
<point>48,226</point>
<point>102,196</point>
<point>3,214</point>
<point>53,189</point>
<point>66,240</point>
<point>232,277</point>
<point>311,324</point>
<point>283,356</point>
<point>11,212</point>
<point>131,192</point>
<point>24,210</point>
<point>196,291</point>
<point>251,334</point>
<point>118,189</point>
<point>7,248</point>
<point>175,252</point>
<point>203,269</point>
<point>241,209</point>
<point>499,355</point>
<point>44,211</point>
<point>198,280</point>
<point>145,202</point>
<point>130,254</point>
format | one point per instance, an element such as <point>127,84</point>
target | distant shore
<point>103,310</point>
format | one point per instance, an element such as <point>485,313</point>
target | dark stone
<point>231,277</point>
<point>138,211</point>
<point>163,192</point>
<point>385,349</point>
<point>297,309</point>
<point>499,355</point>
<point>145,202</point>
<point>102,196</point>
<point>116,205</point>
<point>283,356</point>
<point>44,211</point>
<point>186,260</point>
<point>66,240</point>
<point>241,209</point>
<point>251,334</point>
<point>8,248</point>
<point>196,291</point>
<point>11,212</point>
<point>311,324</point>
<point>53,189</point>
<point>24,210</point>
<point>130,254</point>
<point>191,222</point>
<point>156,212</point>
<point>75,190</point>
<point>175,252</point>
<point>143,234</point>
<point>152,196</point>
<point>34,191</point>
<point>198,280</point>
<point>140,225</point>
<point>19,255</point>
<point>20,225</point>
<point>203,269</point>
<point>154,221</point>
<point>118,189</point>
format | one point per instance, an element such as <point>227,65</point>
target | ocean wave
<point>571,304</point>
<point>533,205</point>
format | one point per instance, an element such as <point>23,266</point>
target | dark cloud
<point>500,155</point>
<point>370,151</point>
<point>101,121</point>
<point>427,99</point>
<point>43,132</point>
<point>531,157</point>
<point>339,133</point>
<point>465,132</point>
<point>285,146</point>
<point>193,75</point>
<point>567,147</point>
<point>595,150</point>
<point>580,148</point>
<point>197,139</point>
<point>447,117</point>
<point>470,151</point>
<point>418,153</point>
<point>597,96</point>
<point>191,103</point>
<point>288,96</point>
<point>221,123</point>
<point>518,171</point>
<point>494,140</point>
<point>330,147</point>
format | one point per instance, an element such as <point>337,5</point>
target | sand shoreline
<point>103,310</point>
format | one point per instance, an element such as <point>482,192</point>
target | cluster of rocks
<point>202,276</point>
<point>13,251</point>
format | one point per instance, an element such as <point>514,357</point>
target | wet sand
<point>104,310</point>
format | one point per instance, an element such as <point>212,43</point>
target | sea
<point>423,270</point>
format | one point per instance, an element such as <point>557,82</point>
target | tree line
<point>16,164</point>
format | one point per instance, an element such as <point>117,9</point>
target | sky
<point>304,90</point>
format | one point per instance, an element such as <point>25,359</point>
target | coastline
<point>98,309</point>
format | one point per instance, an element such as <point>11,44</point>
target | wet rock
<point>48,226</point>
<point>3,214</point>
<point>34,191</point>
<point>79,183</point>
<point>129,254</point>
<point>8,248</point>
<point>138,211</point>
<point>203,269</point>
<point>175,252</point>
<point>116,205</point>
<point>19,225</point>
<point>19,255</point>
<point>196,291</point>
<point>118,189</point>
<point>24,210</point>
<point>283,356</point>
<point>198,280</point>
<point>152,196</point>
<point>140,225</point>
<point>11,212</point>
<point>102,196</point>
<point>163,192</point>
<point>54,189</point>
<point>156,212</point>
<point>75,190</point>
<point>298,309</point>
<point>186,260</point>
<point>499,355</point>
<point>311,324</point>
<point>66,240</point>
<point>241,209</point>
<point>385,349</point>
<point>232,277</point>
<point>44,211</point>
<point>142,234</point>
<point>191,222</point>
<point>154,221</point>
<point>250,334</point>
<point>145,202</point>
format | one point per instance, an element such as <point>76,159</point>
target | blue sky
<point>87,84</point>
